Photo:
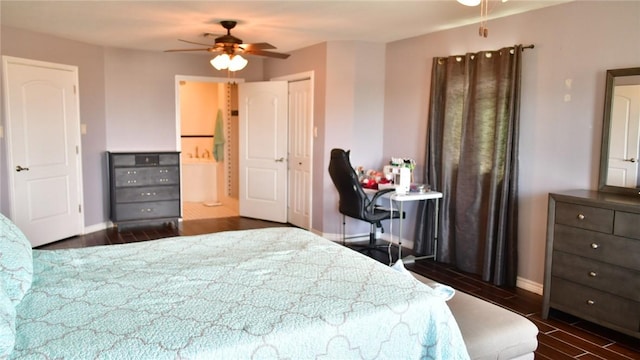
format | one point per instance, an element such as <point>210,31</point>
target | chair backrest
<point>353,201</point>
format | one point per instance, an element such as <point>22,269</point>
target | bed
<point>269,293</point>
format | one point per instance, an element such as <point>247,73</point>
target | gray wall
<point>141,99</point>
<point>559,139</point>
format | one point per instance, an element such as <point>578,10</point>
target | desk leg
<point>400,230</point>
<point>411,259</point>
<point>435,233</point>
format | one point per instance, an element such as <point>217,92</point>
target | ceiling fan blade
<point>259,46</point>
<point>266,53</point>
<point>176,50</point>
<point>196,43</point>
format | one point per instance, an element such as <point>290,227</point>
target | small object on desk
<point>421,188</point>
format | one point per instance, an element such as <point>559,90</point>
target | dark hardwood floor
<point>561,336</point>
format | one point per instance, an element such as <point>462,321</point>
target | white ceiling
<point>288,25</point>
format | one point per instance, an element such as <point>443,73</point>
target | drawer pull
<point>591,302</point>
<point>593,274</point>
<point>132,172</point>
<point>580,216</point>
<point>131,181</point>
<point>594,246</point>
<point>148,194</point>
<point>146,210</point>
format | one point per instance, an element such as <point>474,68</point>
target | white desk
<point>413,196</point>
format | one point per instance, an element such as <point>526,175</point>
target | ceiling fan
<point>230,48</point>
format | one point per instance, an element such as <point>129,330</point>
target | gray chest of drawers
<point>593,259</point>
<point>144,188</point>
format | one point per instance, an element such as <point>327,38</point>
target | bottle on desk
<point>402,180</point>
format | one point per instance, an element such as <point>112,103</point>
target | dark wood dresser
<point>592,265</point>
<point>144,188</point>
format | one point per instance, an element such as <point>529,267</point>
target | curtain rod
<point>530,46</point>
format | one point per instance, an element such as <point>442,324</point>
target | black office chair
<point>353,201</point>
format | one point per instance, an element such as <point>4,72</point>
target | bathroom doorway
<point>207,128</point>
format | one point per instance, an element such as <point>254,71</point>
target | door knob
<point>20,168</point>
<point>280,160</point>
<point>631,160</point>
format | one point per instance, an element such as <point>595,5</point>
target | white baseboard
<point>97,227</point>
<point>529,285</point>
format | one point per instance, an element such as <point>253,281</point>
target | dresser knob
<point>580,216</point>
<point>594,246</point>
<point>593,274</point>
<point>591,302</point>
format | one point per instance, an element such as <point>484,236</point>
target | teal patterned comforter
<point>264,294</point>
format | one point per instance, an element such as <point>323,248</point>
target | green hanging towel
<point>218,139</point>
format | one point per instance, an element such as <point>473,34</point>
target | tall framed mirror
<point>620,153</point>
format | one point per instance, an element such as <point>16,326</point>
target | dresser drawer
<point>606,277</point>
<point>627,224</point>
<point>144,159</point>
<point>598,246</point>
<point>169,159</point>
<point>143,176</point>
<point>595,305</point>
<point>585,217</point>
<point>151,193</point>
<point>148,210</point>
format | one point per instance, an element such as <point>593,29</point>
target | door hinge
<point>74,90</point>
<point>77,150</point>
<point>80,208</point>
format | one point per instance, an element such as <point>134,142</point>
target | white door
<point>43,149</point>
<point>625,126</point>
<point>300,146</point>
<point>263,150</point>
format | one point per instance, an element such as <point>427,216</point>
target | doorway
<point>206,124</point>
<point>301,133</point>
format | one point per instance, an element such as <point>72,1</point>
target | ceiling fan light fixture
<point>233,62</point>
<point>237,63</point>
<point>469,2</point>
<point>221,61</point>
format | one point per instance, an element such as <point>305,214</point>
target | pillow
<point>7,324</point>
<point>16,262</point>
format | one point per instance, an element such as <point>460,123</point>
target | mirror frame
<point>606,125</point>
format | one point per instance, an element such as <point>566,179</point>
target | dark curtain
<point>472,158</point>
